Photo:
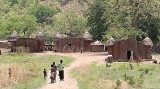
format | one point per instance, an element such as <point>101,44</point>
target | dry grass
<point>94,76</point>
<point>19,75</point>
<point>27,70</point>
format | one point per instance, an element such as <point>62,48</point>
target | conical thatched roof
<point>58,35</point>
<point>97,43</point>
<point>14,36</point>
<point>147,41</point>
<point>40,36</point>
<point>87,36</point>
<point>110,41</point>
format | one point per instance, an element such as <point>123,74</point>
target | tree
<point>133,19</point>
<point>70,22</point>
<point>97,20</point>
<point>43,14</point>
<point>24,25</point>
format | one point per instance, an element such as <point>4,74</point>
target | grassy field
<point>118,76</point>
<point>27,69</point>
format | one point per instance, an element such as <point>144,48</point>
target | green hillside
<point>120,19</point>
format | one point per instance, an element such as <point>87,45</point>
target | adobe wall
<point>97,48</point>
<point>128,45</point>
<point>69,44</point>
<point>141,50</point>
<point>4,45</point>
<point>120,48</point>
<point>116,50</point>
<point>33,44</point>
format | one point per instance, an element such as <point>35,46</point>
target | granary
<point>97,46</point>
<point>33,44</point>
<point>64,43</point>
<point>124,49</point>
<point>13,39</point>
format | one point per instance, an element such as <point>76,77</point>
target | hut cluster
<point>124,49</point>
<point>119,49</point>
<point>29,44</point>
<point>85,43</point>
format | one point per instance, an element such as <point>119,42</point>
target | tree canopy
<point>121,19</point>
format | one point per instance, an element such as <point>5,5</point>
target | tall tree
<point>97,20</point>
<point>70,22</point>
<point>44,14</point>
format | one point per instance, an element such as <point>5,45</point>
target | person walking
<point>55,70</point>
<point>10,72</point>
<point>52,77</point>
<point>61,70</point>
<point>45,74</point>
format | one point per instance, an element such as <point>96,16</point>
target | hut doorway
<point>129,53</point>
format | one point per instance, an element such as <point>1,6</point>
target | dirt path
<point>80,60</point>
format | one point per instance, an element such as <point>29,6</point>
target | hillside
<point>121,19</point>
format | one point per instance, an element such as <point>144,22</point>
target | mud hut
<point>110,43</point>
<point>40,37</point>
<point>65,43</point>
<point>97,46</point>
<point>31,44</point>
<point>124,49</point>
<point>12,39</point>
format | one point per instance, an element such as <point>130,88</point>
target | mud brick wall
<point>148,52</point>
<point>116,50</point>
<point>141,50</point>
<point>4,45</point>
<point>70,44</point>
<point>97,48</point>
<point>120,48</point>
<point>33,44</point>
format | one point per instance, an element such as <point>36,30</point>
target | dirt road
<point>80,60</point>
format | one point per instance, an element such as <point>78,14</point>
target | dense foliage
<point>121,19</point>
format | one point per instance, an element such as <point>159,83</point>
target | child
<point>10,72</point>
<point>45,74</point>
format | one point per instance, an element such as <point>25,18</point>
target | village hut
<point>26,44</point>
<point>65,43</point>
<point>109,44</point>
<point>124,49</point>
<point>97,46</point>
<point>40,37</point>
<point>12,39</point>
<point>148,46</point>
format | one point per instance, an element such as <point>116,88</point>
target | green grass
<point>33,65</point>
<point>142,76</point>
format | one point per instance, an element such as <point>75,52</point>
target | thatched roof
<point>58,35</point>
<point>14,36</point>
<point>147,41</point>
<point>97,43</point>
<point>110,41</point>
<point>40,36</point>
<point>87,36</point>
